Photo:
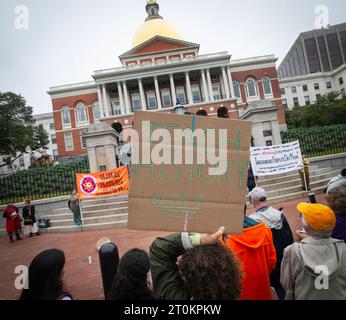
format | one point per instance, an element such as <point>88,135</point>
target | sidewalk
<point>83,280</point>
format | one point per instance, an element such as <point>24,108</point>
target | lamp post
<point>179,109</point>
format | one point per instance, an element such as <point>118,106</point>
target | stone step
<point>292,176</point>
<point>88,202</point>
<point>94,208</point>
<point>286,184</point>
<point>296,188</point>
<point>95,213</point>
<point>91,220</point>
<point>96,226</point>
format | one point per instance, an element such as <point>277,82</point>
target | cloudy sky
<point>66,40</point>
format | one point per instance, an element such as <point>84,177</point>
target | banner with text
<point>274,160</point>
<point>102,184</point>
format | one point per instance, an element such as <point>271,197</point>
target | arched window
<point>251,88</point>
<point>267,88</point>
<point>81,113</point>
<point>236,89</point>
<point>96,110</point>
<point>65,115</point>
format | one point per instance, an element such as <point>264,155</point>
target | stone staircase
<point>286,187</point>
<point>103,213</point>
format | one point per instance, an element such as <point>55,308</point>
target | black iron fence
<point>41,183</point>
<point>318,141</point>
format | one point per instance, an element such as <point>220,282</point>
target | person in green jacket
<point>194,266</point>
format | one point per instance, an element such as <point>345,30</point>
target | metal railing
<point>318,141</point>
<point>41,183</point>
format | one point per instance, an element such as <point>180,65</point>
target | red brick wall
<point>71,102</point>
<point>159,46</point>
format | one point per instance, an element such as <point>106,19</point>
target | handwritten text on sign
<point>185,196</point>
<point>267,161</point>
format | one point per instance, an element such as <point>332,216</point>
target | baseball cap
<point>257,194</point>
<point>319,217</point>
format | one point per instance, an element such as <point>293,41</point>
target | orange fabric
<point>255,249</point>
<point>102,184</point>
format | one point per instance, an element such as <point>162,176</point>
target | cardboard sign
<point>181,197</point>
<point>102,184</point>
<point>268,161</point>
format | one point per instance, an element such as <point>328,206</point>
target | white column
<point>100,98</point>
<point>121,99</point>
<point>225,83</point>
<point>105,100</point>
<point>222,88</point>
<point>174,95</point>
<point>205,87</point>
<point>126,98</point>
<point>93,159</point>
<point>257,133</point>
<point>229,74</point>
<point>210,87</point>
<point>158,95</point>
<point>142,94</point>
<point>188,88</point>
<point>276,132</point>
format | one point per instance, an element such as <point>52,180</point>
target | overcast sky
<point>68,39</point>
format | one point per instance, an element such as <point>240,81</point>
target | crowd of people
<point>263,263</point>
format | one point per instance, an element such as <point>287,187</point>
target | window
<point>83,141</point>
<point>343,93</point>
<point>284,103</point>
<point>181,95</point>
<point>318,97</point>
<point>334,50</point>
<point>267,87</point>
<point>136,102</point>
<point>96,110</point>
<point>166,98</point>
<point>317,86</point>
<point>55,155</point>
<point>295,101</point>
<point>307,100</point>
<point>324,53</point>
<point>68,142</point>
<point>66,117</point>
<point>282,91</point>
<point>51,126</point>
<point>116,109</point>
<point>341,81</point>
<point>151,100</point>
<point>21,161</point>
<point>53,137</point>
<point>312,55</point>
<point>294,89</point>
<point>81,113</point>
<point>236,89</point>
<point>305,87</point>
<point>328,85</point>
<point>251,88</point>
<point>216,91</point>
<point>196,93</point>
<point>267,133</point>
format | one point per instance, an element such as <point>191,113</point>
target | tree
<point>328,110</point>
<point>18,133</point>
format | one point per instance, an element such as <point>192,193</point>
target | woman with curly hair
<point>132,281</point>
<point>194,266</point>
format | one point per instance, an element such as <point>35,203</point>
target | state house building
<point>160,71</point>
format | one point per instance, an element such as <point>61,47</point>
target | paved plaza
<point>83,280</point>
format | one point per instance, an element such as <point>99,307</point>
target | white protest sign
<point>273,160</point>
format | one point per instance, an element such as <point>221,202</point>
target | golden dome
<point>155,27</point>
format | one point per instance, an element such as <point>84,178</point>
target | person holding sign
<point>197,274</point>
<point>305,174</point>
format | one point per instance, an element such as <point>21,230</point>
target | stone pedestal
<point>102,143</point>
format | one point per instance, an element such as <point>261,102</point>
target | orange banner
<point>102,184</point>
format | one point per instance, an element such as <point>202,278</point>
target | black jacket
<point>29,215</point>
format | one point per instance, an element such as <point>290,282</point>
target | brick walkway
<point>82,280</point>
